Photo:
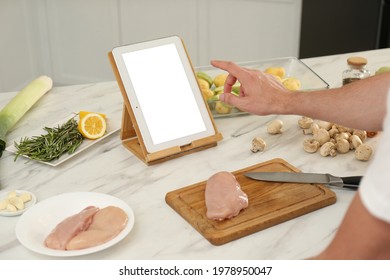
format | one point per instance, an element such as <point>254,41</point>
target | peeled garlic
<point>25,197</point>
<point>3,204</point>
<point>14,202</point>
<point>17,202</point>
<point>11,208</point>
<point>11,194</point>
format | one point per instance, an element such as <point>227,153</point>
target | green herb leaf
<point>47,147</point>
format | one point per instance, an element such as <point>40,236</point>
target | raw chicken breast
<point>69,228</point>
<point>106,224</point>
<point>224,197</point>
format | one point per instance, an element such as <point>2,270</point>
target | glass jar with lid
<point>357,70</point>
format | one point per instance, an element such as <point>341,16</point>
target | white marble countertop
<point>159,232</point>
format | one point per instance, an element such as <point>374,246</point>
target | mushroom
<point>361,133</point>
<point>344,129</point>
<point>355,141</point>
<point>328,149</point>
<point>333,131</point>
<point>341,136</point>
<point>342,146</point>
<point>275,127</point>
<point>331,139</point>
<point>305,122</point>
<point>321,135</point>
<point>363,152</point>
<point>258,145</point>
<point>312,129</point>
<point>324,124</point>
<point>311,145</point>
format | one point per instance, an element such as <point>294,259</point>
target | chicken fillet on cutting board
<point>224,197</point>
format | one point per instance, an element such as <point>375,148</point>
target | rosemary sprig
<point>47,147</point>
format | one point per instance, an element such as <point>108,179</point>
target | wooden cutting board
<point>269,203</point>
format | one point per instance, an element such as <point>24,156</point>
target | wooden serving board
<point>270,203</point>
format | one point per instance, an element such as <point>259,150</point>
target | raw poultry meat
<point>107,223</point>
<point>224,197</point>
<point>69,228</point>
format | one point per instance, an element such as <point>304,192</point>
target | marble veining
<point>159,232</point>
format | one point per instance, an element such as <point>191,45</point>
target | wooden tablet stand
<point>132,139</point>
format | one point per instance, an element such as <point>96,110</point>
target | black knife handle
<point>351,182</point>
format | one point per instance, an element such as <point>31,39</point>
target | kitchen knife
<point>292,177</point>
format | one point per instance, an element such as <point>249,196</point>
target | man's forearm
<point>360,236</point>
<point>360,105</point>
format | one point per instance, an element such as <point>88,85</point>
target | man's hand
<point>260,93</point>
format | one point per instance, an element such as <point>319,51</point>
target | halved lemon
<point>92,125</point>
<point>82,114</point>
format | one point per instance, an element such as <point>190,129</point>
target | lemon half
<point>92,125</point>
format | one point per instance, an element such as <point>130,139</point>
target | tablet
<point>163,93</point>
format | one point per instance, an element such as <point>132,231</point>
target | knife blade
<point>351,182</point>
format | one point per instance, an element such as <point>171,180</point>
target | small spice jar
<point>356,70</point>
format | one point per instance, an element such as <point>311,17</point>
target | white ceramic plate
<point>112,127</point>
<point>35,224</point>
<point>27,205</point>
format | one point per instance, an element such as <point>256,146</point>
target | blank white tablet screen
<point>164,93</point>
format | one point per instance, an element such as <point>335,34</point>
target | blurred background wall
<point>68,40</point>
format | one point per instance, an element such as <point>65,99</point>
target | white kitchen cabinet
<point>69,39</point>
<point>17,53</point>
<point>249,29</point>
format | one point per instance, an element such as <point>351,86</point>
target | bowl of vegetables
<point>290,71</point>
